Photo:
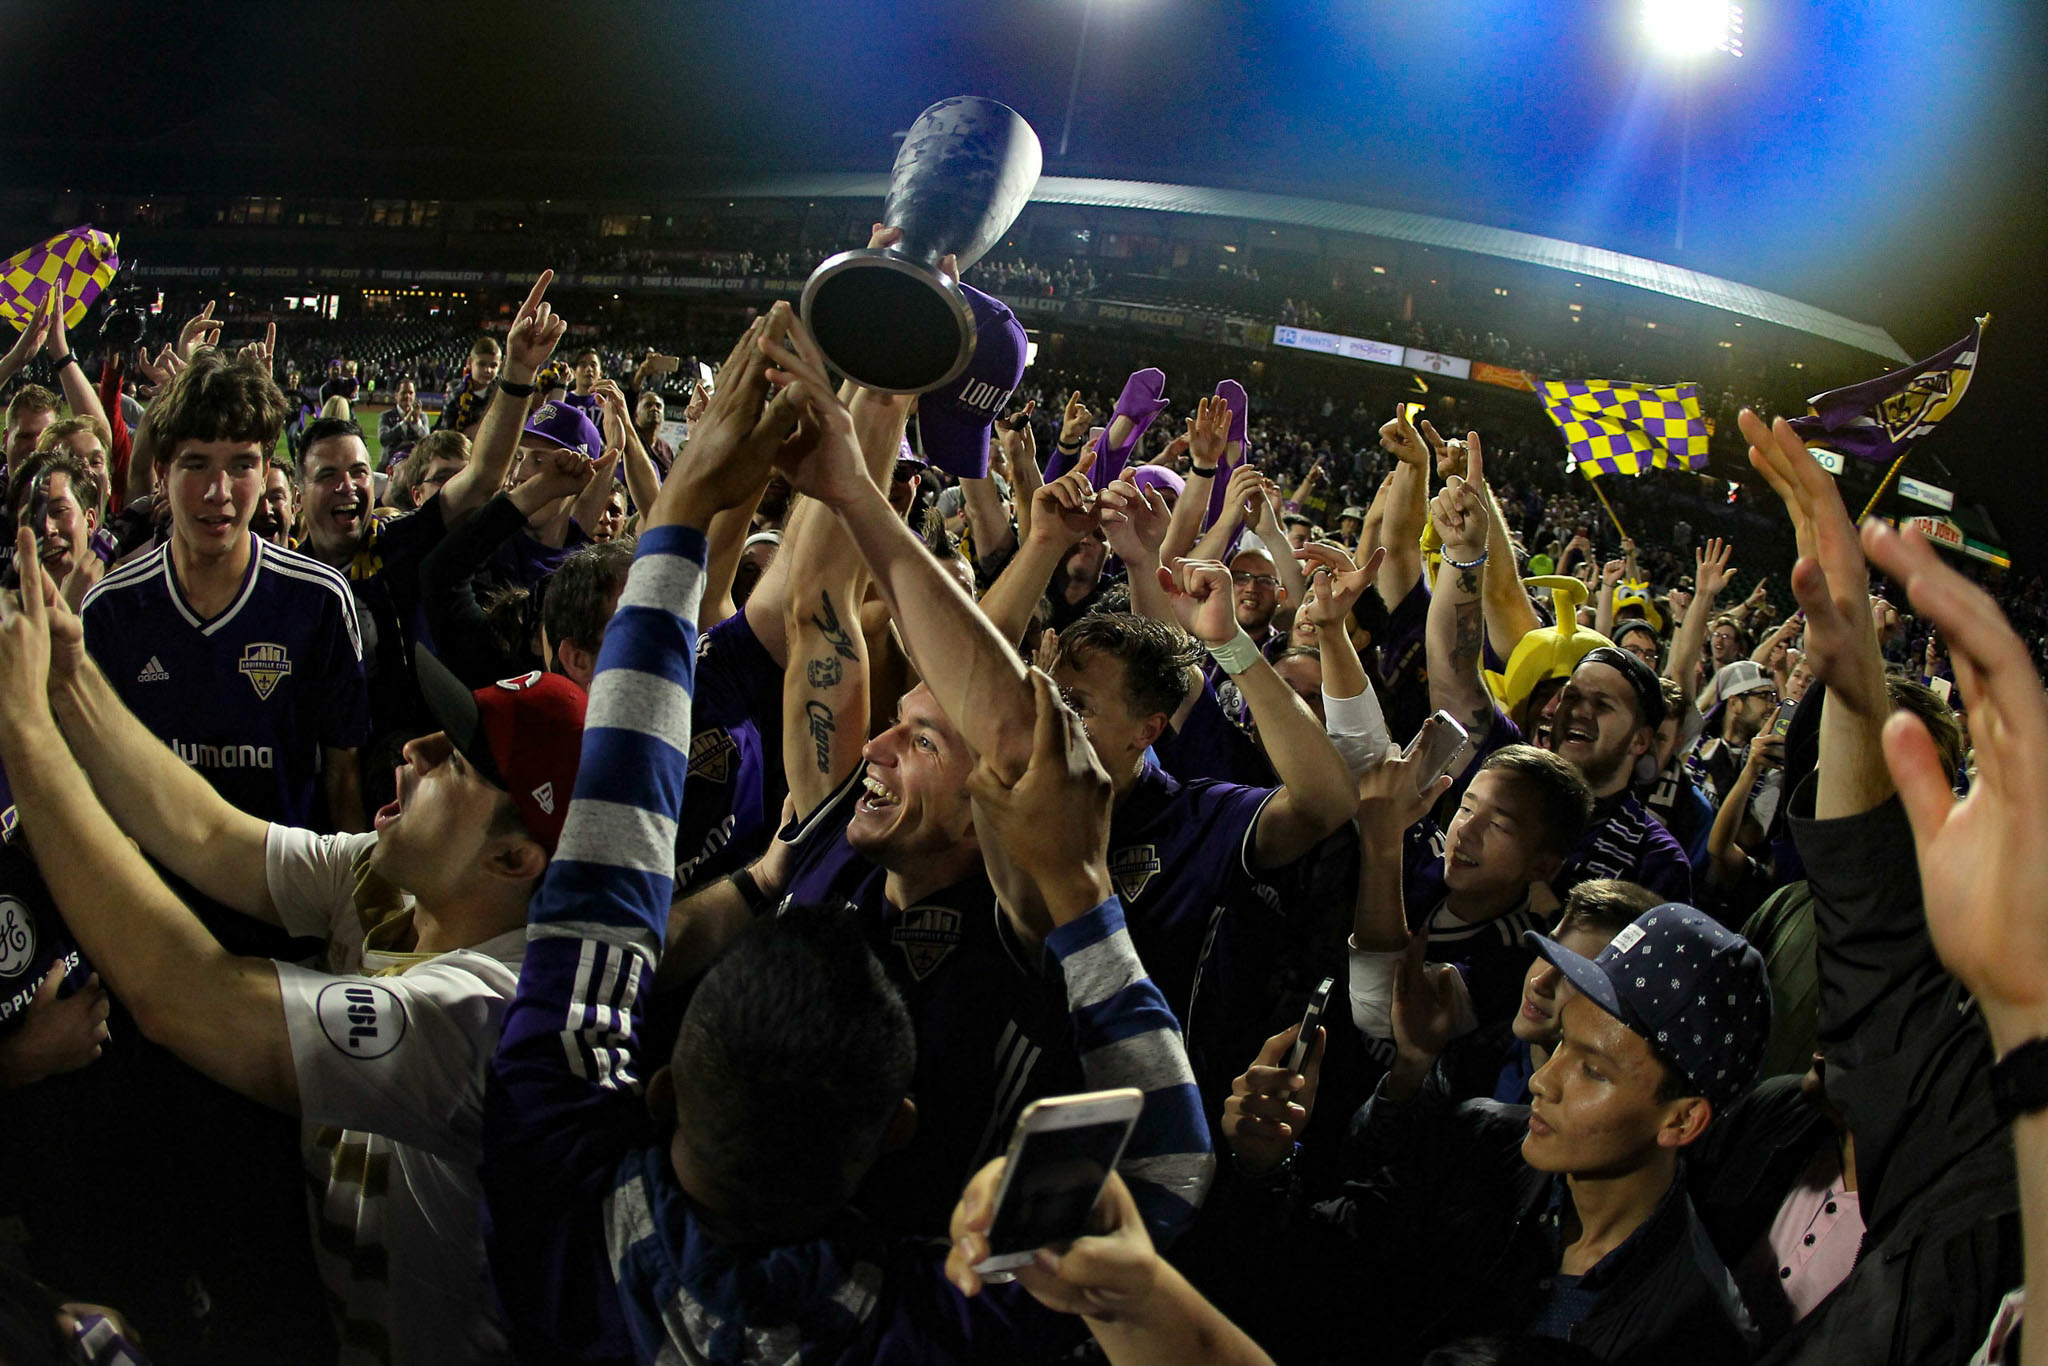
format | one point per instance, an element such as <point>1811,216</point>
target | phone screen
<point>1055,1181</point>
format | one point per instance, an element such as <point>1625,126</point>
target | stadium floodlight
<point>1693,28</point>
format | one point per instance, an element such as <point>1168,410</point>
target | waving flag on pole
<point>77,264</point>
<point>1878,419</point>
<point>1610,427</point>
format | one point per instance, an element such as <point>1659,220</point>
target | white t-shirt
<point>390,1049</point>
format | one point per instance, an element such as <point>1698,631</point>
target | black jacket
<point>1908,1065</point>
<point>1442,1225</point>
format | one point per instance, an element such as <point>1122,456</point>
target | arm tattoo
<point>1468,581</point>
<point>827,622</point>
<point>825,672</point>
<point>823,728</point>
<point>1465,655</point>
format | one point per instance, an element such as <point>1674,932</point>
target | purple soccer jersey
<point>993,1028</point>
<point>736,786</point>
<point>1180,857</point>
<point>250,697</point>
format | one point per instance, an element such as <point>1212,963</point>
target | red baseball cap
<point>524,734</point>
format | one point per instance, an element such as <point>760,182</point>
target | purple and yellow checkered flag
<point>78,264</point>
<point>1609,427</point>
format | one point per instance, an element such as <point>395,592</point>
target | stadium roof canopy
<point>1329,216</point>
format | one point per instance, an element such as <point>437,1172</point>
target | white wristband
<point>1236,654</point>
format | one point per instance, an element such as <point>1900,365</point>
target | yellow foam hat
<point>1548,651</point>
<point>1638,595</point>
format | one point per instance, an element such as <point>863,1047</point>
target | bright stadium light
<point>1693,28</point>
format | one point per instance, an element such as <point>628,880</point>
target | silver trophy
<point>885,317</point>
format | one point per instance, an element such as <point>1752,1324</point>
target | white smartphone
<point>1311,1021</point>
<point>1446,747</point>
<point>1061,1155</point>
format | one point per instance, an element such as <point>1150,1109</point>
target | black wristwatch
<point>750,891</point>
<point>2019,1081</point>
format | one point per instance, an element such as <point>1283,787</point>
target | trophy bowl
<point>885,317</point>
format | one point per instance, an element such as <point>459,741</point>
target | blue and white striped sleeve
<point>563,1102</point>
<point>1128,1036</point>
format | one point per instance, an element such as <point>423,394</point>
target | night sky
<point>1884,158</point>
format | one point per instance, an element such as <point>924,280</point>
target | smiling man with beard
<point>380,554</point>
<point>1605,719</point>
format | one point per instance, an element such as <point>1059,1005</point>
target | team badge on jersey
<point>711,754</point>
<point>1133,867</point>
<point>17,936</point>
<point>265,666</point>
<point>926,934</point>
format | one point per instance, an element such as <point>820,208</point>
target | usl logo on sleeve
<point>361,1018</point>
<point>265,666</point>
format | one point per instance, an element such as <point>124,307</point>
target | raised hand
<point>1209,433</point>
<point>822,458</point>
<point>200,330</point>
<point>1199,593</point>
<point>1269,1106</point>
<point>563,473</point>
<point>1070,507</point>
<point>1051,816</point>
<point>1425,1013</point>
<point>64,631</point>
<point>1459,511</point>
<point>1136,536</point>
<point>33,335</point>
<point>1450,455</point>
<point>1392,795</point>
<point>534,334</point>
<point>1105,1275</point>
<point>261,352</point>
<point>1983,879</point>
<point>1076,421</point>
<point>1019,443</point>
<point>1241,496</point>
<point>158,372</point>
<point>1611,572</point>
<point>1402,441</point>
<point>1831,580</point>
<point>1335,584</point>
<point>1711,571</point>
<point>25,641</point>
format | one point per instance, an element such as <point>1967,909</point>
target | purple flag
<point>1879,419</point>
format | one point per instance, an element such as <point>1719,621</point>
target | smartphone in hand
<point>1060,1157</point>
<point>1311,1021</point>
<point>1447,744</point>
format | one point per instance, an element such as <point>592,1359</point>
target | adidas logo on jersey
<point>153,672</point>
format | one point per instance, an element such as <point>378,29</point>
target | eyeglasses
<point>1240,578</point>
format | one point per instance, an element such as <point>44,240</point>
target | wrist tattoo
<point>826,619</point>
<point>1468,581</point>
<point>823,727</point>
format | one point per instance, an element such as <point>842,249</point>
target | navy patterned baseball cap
<point>1698,993</point>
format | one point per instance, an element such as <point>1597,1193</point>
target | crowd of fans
<point>555,893</point>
